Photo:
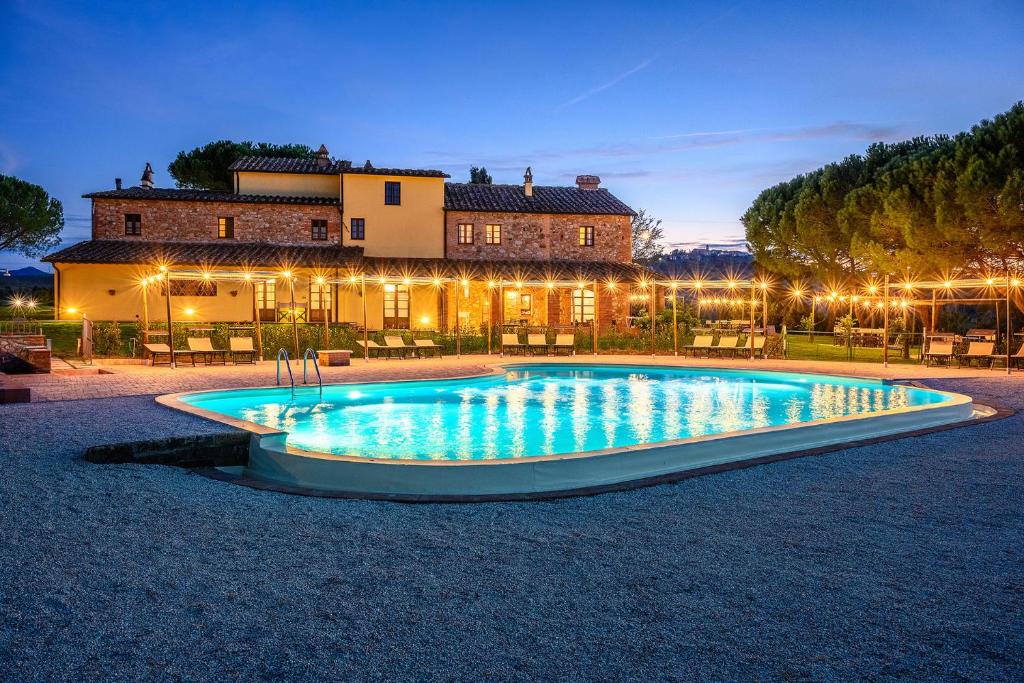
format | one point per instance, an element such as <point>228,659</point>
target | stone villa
<point>407,239</point>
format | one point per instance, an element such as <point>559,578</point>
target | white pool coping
<point>272,461</point>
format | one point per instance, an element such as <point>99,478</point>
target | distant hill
<point>29,271</point>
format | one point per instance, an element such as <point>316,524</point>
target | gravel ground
<point>891,562</point>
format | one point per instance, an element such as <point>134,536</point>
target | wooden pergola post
<point>1009,324</point>
<point>594,321</point>
<point>256,319</point>
<point>654,305</point>
<point>170,328</point>
<point>458,327</point>
<point>753,302</point>
<point>885,323</point>
<point>327,317</point>
<point>366,333</point>
<point>501,317</point>
<point>675,321</point>
<point>295,324</point>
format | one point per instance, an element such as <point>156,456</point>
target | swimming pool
<point>611,423</point>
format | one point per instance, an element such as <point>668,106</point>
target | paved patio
<point>136,380</point>
<point>890,562</point>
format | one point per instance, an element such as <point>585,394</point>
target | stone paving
<point>139,380</point>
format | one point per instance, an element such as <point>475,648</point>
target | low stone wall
<point>207,450</point>
<point>23,353</point>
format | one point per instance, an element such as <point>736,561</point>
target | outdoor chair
<point>565,342</point>
<point>701,344</point>
<point>1015,359</point>
<point>758,346</point>
<point>939,351</point>
<point>157,351</point>
<point>537,341</point>
<point>510,343</point>
<point>203,347</point>
<point>725,345</point>
<point>242,350</point>
<point>428,346</point>
<point>976,351</point>
<point>398,344</point>
<point>371,348</point>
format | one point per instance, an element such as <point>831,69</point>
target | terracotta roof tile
<point>545,199</point>
<point>333,167</point>
<point>169,194</point>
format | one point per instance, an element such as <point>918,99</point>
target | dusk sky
<point>687,111</point>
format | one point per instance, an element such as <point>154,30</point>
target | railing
<point>316,366</point>
<point>288,364</point>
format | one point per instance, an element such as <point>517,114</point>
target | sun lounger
<point>510,343</point>
<point>1015,359</point>
<point>701,344</point>
<point>976,351</point>
<point>372,348</point>
<point>398,345</point>
<point>242,350</point>
<point>939,351</point>
<point>157,351</point>
<point>537,341</point>
<point>427,346</point>
<point>726,345</point>
<point>203,347</point>
<point>565,342</point>
<point>758,346</point>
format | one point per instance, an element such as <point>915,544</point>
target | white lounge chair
<point>565,342</point>
<point>976,351</point>
<point>510,343</point>
<point>203,347</point>
<point>427,346</point>
<point>701,344</point>
<point>726,345</point>
<point>939,351</point>
<point>242,348</point>
<point>537,341</point>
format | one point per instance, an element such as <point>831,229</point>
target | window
<point>586,235</point>
<point>319,301</point>
<point>358,228</point>
<point>493,233</point>
<point>582,305</point>
<point>392,193</point>
<point>266,300</point>
<point>133,224</point>
<point>319,230</point>
<point>192,288</point>
<point>465,233</point>
<point>226,228</point>
<point>396,307</point>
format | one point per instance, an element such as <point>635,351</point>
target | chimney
<point>147,177</point>
<point>368,166</point>
<point>323,158</point>
<point>588,182</point>
<point>117,183</point>
<point>528,182</point>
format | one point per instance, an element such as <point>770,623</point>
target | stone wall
<point>197,221</point>
<point>540,236</point>
<point>24,353</point>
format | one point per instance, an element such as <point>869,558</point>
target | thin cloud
<point>604,86</point>
<point>866,132</point>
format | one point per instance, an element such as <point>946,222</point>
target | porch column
<point>458,328</point>
<point>595,319</point>
<point>675,321</point>
<point>366,334</point>
<point>295,324</point>
<point>753,302</point>
<point>501,317</point>
<point>885,323</point>
<point>256,319</point>
<point>1009,324</point>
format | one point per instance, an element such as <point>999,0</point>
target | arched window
<point>582,305</point>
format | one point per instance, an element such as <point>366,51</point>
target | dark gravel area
<point>895,561</point>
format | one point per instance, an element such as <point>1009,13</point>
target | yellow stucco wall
<point>289,184</point>
<point>413,229</point>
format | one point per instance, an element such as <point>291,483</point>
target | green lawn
<point>801,348</point>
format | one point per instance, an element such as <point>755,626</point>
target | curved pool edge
<point>273,463</point>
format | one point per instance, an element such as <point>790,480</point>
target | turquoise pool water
<point>533,410</point>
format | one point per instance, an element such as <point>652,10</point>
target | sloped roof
<point>349,259</point>
<point>333,167</point>
<point>205,253</point>
<point>169,194</point>
<point>545,199</point>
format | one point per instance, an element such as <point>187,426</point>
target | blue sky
<point>685,109</point>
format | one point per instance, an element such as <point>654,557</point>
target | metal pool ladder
<point>287,364</point>
<point>316,366</point>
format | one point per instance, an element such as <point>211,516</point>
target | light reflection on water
<point>542,411</point>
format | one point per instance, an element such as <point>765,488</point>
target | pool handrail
<point>288,364</point>
<point>316,366</point>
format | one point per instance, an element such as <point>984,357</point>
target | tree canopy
<point>647,235</point>
<point>206,167</point>
<point>931,205</point>
<point>30,220</point>
<point>479,176</point>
